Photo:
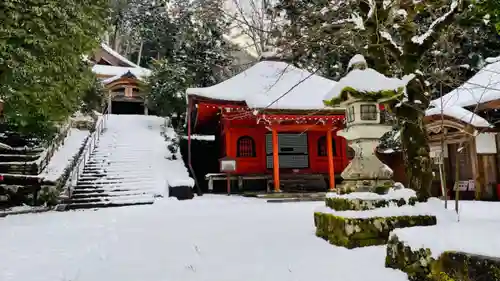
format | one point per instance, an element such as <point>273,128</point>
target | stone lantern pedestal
<point>374,207</point>
<point>365,173</point>
<point>360,92</point>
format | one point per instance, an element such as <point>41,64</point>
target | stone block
<point>181,192</point>
<point>465,266</point>
<point>415,263</point>
<point>360,232</point>
<point>420,265</point>
<point>344,204</point>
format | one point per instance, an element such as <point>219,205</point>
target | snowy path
<point>128,166</point>
<point>209,238</point>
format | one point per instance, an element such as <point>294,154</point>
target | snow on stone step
<point>113,171</point>
<point>127,166</point>
<point>107,179</point>
<point>116,197</point>
<point>121,203</point>
<point>109,194</point>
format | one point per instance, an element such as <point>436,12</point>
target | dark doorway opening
<point>126,107</point>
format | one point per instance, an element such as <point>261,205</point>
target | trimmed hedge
<point>450,266</point>
<point>343,204</point>
<point>361,232</point>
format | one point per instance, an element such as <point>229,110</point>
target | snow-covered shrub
<point>48,195</point>
<point>83,121</point>
<point>173,148</point>
<point>360,232</point>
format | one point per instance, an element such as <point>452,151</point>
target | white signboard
<point>462,186</point>
<point>436,150</point>
<point>486,144</point>
<point>472,185</point>
<point>227,165</point>
<point>469,185</point>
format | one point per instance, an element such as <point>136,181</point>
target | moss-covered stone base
<point>361,232</point>
<point>450,266</point>
<point>343,204</point>
<point>414,263</point>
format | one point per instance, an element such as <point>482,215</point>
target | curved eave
<point>123,81</point>
<point>435,122</point>
<point>324,111</point>
<point>199,98</point>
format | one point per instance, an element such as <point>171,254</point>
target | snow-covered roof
<point>367,81</point>
<point>492,59</point>
<point>482,87</point>
<point>114,71</point>
<point>273,85</point>
<point>117,55</point>
<point>461,114</point>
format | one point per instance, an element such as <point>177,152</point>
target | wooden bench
<point>223,176</point>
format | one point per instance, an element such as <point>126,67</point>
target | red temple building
<point>271,119</point>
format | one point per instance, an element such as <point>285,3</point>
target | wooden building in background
<point>272,121</point>
<point>468,124</point>
<point>122,80</point>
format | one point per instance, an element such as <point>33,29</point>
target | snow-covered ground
<point>209,238</point>
<point>475,232</point>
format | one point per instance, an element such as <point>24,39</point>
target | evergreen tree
<point>397,38</point>
<point>198,57</point>
<point>489,11</point>
<point>42,73</point>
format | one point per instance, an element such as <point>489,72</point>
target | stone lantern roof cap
<point>365,84</point>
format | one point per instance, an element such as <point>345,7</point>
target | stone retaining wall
<point>419,264</point>
<point>361,232</point>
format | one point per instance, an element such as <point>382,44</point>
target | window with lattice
<point>322,149</point>
<point>245,147</point>
<point>368,112</point>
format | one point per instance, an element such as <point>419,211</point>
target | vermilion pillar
<point>276,162</point>
<point>228,140</point>
<point>331,169</point>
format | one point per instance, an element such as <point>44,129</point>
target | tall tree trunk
<point>416,152</point>
<point>115,39</point>
<point>140,53</point>
<point>414,139</point>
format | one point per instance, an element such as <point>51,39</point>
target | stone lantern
<point>360,92</point>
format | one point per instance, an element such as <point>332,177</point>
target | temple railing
<point>89,147</point>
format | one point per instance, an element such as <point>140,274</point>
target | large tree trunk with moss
<point>414,138</point>
<point>397,38</point>
<point>416,151</point>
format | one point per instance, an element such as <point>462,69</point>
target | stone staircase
<point>122,169</point>
<point>20,167</point>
